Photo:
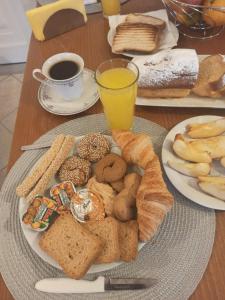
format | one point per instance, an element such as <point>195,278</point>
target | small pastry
<point>93,147</point>
<point>206,130</point>
<point>190,169</point>
<point>186,151</point>
<point>213,185</point>
<point>124,207</point>
<point>75,169</point>
<point>118,185</point>
<point>105,192</point>
<point>110,168</point>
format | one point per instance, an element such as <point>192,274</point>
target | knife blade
<point>101,284</point>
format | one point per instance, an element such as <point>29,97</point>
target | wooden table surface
<point>90,42</point>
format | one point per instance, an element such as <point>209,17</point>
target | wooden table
<point>90,42</point>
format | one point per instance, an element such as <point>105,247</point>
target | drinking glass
<point>117,86</point>
<point>110,7</point>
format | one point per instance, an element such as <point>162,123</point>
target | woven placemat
<point>175,256</point>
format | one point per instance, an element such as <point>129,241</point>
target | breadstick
<point>29,182</point>
<point>53,168</point>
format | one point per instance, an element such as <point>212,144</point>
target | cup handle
<point>36,74</point>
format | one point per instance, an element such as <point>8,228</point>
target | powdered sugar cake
<point>176,68</point>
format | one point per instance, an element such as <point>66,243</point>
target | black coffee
<point>63,70</point>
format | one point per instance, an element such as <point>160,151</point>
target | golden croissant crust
<point>153,200</point>
<point>136,147</point>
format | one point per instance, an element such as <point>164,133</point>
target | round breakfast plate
<point>184,184</point>
<point>55,104</point>
<point>171,31</point>
<point>33,237</point>
<point>174,256</point>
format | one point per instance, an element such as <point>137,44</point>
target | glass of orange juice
<point>110,7</point>
<point>117,86</point>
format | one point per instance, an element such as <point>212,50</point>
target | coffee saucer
<point>55,104</point>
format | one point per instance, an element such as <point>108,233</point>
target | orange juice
<point>110,7</point>
<point>118,90</point>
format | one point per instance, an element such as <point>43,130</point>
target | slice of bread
<point>71,245</point>
<point>128,239</point>
<point>106,230</point>
<point>135,37</point>
<point>163,93</point>
<point>212,68</point>
<point>139,18</point>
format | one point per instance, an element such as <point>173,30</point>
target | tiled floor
<point>10,86</point>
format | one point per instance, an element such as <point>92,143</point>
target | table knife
<point>101,284</point>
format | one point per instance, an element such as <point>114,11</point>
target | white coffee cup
<point>69,88</point>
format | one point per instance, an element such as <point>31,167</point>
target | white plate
<point>33,237</point>
<point>55,103</point>
<point>190,101</point>
<point>173,30</point>
<point>184,184</point>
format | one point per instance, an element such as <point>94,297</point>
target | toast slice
<point>108,231</point>
<point>128,239</point>
<point>140,18</point>
<point>212,68</point>
<point>135,37</point>
<point>71,245</point>
<point>163,93</point>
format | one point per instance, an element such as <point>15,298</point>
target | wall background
<point>28,4</point>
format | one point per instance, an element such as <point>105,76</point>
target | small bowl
<point>196,21</point>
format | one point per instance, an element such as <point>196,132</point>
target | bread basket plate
<point>184,184</point>
<point>168,38</point>
<point>33,237</point>
<point>190,101</point>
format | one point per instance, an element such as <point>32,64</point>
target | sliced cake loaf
<point>71,245</point>
<point>168,73</point>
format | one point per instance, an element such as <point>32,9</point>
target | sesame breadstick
<point>29,182</point>
<point>53,168</point>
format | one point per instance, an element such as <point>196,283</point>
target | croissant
<point>153,200</point>
<point>136,147</point>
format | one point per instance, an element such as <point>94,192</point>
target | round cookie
<point>110,168</point>
<point>93,147</point>
<point>75,169</point>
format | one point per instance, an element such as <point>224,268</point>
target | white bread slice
<point>135,37</point>
<point>140,18</point>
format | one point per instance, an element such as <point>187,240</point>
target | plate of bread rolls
<point>84,206</point>
<point>193,156</point>
<point>181,78</point>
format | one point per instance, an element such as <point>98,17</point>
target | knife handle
<point>67,285</point>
